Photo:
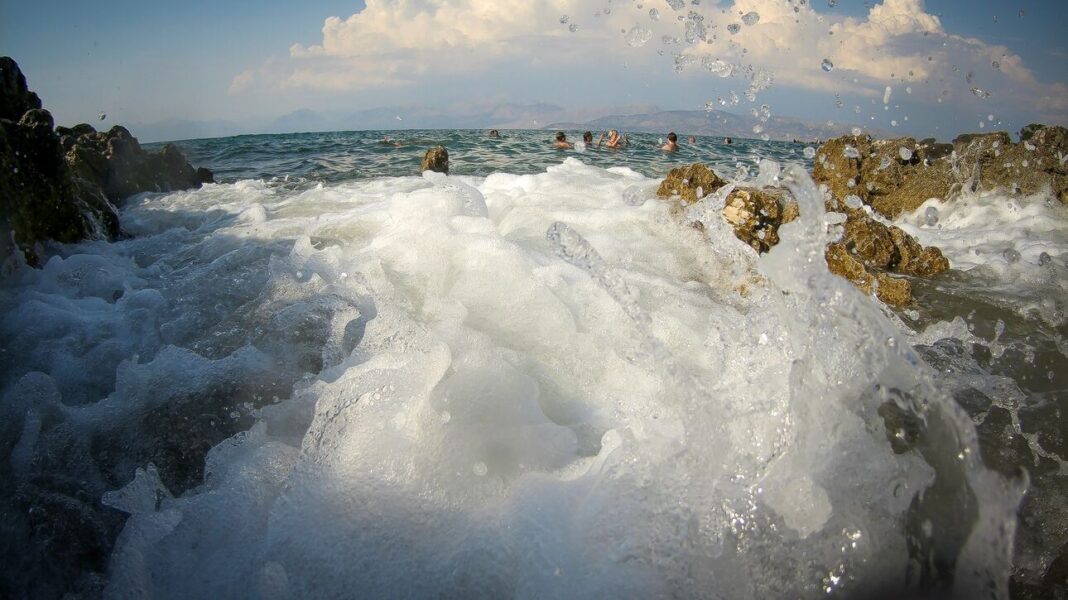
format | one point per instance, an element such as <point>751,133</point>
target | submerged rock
<point>60,183</point>
<point>436,159</point>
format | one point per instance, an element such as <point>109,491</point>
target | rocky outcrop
<point>61,184</point>
<point>897,176</point>
<point>867,254</point>
<point>436,159</point>
<point>690,183</point>
<point>892,176</point>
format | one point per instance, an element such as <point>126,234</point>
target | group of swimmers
<point>615,140</point>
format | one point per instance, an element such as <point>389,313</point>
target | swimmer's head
<point>587,137</point>
<point>560,137</point>
<point>672,137</point>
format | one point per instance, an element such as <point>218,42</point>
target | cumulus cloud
<point>398,43</point>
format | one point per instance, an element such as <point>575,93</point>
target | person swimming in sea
<point>493,133</point>
<point>672,144</point>
<point>728,141</point>
<point>692,140</point>
<point>387,141</point>
<point>587,137</point>
<point>614,140</point>
<point>561,141</point>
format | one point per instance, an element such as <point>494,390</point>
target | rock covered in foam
<point>866,254</point>
<point>436,159</point>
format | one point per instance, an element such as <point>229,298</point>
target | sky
<point>244,61</point>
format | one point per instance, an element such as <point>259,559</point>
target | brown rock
<point>991,161</point>
<point>690,183</point>
<point>436,159</point>
<point>757,214</point>
<point>876,172</point>
<point>893,291</point>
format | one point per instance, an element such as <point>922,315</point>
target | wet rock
<point>15,96</point>
<point>436,159</point>
<point>757,214</point>
<point>897,176</point>
<point>993,162</point>
<point>59,184</point>
<point>690,183</point>
<point>891,290</point>
<point>879,173</point>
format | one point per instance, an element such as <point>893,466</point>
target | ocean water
<point>329,375</point>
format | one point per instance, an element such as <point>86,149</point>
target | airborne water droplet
<point>751,18</point>
<point>827,65</point>
<point>654,14</point>
<point>809,152</point>
<point>931,216</point>
<point>572,28</point>
<point>734,28</point>
<point>904,153</point>
<point>638,36</point>
<point>564,19</point>
<point>850,152</point>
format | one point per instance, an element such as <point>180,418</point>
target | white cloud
<point>398,43</point>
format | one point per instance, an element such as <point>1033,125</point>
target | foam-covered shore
<point>536,386</point>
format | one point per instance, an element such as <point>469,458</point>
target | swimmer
<point>692,140</point>
<point>614,140</point>
<point>728,141</point>
<point>561,142</point>
<point>672,144</point>
<point>390,142</point>
<point>587,138</point>
<point>494,133</point>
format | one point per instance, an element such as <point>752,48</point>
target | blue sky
<point>141,62</point>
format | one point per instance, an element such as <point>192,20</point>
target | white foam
<point>1017,247</point>
<point>528,386</point>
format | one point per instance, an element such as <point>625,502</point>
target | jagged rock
<point>893,181</point>
<point>866,255</point>
<point>880,175</point>
<point>436,159</point>
<point>991,161</point>
<point>15,96</point>
<point>690,183</point>
<point>757,214</point>
<point>58,183</point>
<point>891,290</point>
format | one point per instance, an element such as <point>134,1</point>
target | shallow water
<point>518,380</point>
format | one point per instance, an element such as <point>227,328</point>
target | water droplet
<point>886,94</point>
<point>904,153</point>
<point>1011,255</point>
<point>564,19</point>
<point>480,468</point>
<point>751,18</point>
<point>103,115</point>
<point>857,131</point>
<point>832,3</point>
<point>853,201</point>
<point>654,14</point>
<point>980,93</point>
<point>572,28</point>
<point>809,152</point>
<point>1044,258</point>
<point>734,28</point>
<point>676,4</point>
<point>996,65</point>
<point>827,65</point>
<point>931,216</point>
<point>638,36</point>
<point>884,163</point>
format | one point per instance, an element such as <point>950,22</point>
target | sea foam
<point>518,385</point>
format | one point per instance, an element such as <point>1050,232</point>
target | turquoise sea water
<point>333,157</point>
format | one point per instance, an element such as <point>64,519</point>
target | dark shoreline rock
<point>62,184</point>
<point>436,159</point>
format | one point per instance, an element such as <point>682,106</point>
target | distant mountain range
<point>500,115</point>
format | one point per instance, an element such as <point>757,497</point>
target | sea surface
<point>329,375</point>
